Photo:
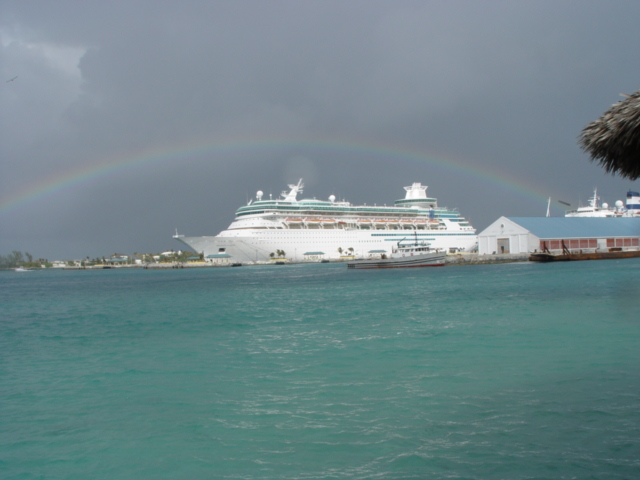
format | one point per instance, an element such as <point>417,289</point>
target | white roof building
<point>530,234</point>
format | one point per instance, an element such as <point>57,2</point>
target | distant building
<point>218,259</point>
<point>117,259</point>
<point>530,234</point>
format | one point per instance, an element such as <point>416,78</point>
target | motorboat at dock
<point>408,255</point>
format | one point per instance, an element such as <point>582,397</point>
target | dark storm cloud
<point>503,87</point>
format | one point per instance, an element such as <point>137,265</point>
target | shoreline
<point>454,259</point>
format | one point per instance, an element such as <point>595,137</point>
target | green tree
<point>13,260</point>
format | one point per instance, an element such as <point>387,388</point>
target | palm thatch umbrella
<point>614,139</point>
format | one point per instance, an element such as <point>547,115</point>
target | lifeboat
<point>421,224</point>
<point>380,224</point>
<point>312,222</point>
<point>406,224</point>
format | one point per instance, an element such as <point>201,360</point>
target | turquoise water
<point>511,371</point>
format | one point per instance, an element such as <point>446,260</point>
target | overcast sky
<point>124,120</point>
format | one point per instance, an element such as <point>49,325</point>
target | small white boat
<point>22,269</point>
<point>413,255</point>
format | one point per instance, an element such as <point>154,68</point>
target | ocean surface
<point>514,371</point>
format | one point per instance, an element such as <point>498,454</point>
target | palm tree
<point>614,139</point>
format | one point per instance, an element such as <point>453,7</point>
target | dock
<point>476,259</point>
<point>570,256</point>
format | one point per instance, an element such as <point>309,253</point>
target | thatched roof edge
<point>614,139</point>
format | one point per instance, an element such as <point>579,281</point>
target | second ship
<point>310,229</point>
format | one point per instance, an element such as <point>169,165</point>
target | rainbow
<point>179,152</point>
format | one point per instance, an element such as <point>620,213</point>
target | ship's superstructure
<point>629,209</point>
<point>306,229</point>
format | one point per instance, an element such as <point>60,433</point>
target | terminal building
<point>532,234</point>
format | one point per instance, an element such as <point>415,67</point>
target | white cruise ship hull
<point>300,245</point>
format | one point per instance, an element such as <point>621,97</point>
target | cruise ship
<point>316,230</point>
<point>629,209</point>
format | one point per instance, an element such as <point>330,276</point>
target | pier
<point>476,259</point>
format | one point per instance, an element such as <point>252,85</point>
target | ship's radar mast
<point>593,201</point>
<point>292,194</point>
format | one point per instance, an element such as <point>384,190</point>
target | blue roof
<point>579,227</point>
<point>313,253</point>
<point>219,255</point>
